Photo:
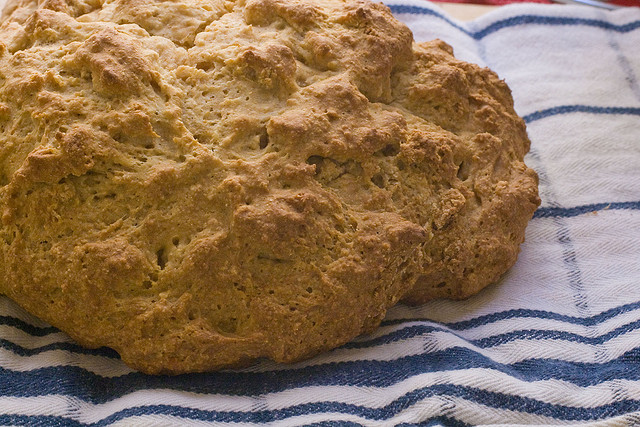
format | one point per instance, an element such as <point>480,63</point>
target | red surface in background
<point>635,3</point>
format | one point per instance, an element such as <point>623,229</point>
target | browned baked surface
<point>198,184</point>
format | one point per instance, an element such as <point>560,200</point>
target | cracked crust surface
<point>199,184</point>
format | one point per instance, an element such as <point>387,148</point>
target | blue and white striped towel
<point>556,342</point>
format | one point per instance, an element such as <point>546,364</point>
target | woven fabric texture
<point>556,342</point>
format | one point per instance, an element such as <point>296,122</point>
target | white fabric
<point>556,342</point>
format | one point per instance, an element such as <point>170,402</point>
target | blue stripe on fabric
<point>64,346</point>
<point>404,333</point>
<point>570,261</point>
<point>82,384</point>
<point>38,421</point>
<point>437,421</point>
<point>26,327</point>
<point>519,20</point>
<point>416,10</point>
<point>489,399</point>
<point>538,334</point>
<point>551,212</point>
<point>334,424</point>
<point>625,65</point>
<point>456,326</point>
<point>522,312</point>
<point>51,421</point>
<point>566,109</point>
<point>563,236</point>
<point>495,340</point>
<point>555,20</point>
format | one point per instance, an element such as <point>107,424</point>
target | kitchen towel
<point>634,3</point>
<point>555,342</point>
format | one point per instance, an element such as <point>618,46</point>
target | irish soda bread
<point>201,183</point>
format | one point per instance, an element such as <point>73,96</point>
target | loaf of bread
<point>198,184</point>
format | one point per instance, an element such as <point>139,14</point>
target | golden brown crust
<point>201,184</point>
<point>483,216</point>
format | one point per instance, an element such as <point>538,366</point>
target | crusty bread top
<point>198,184</point>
